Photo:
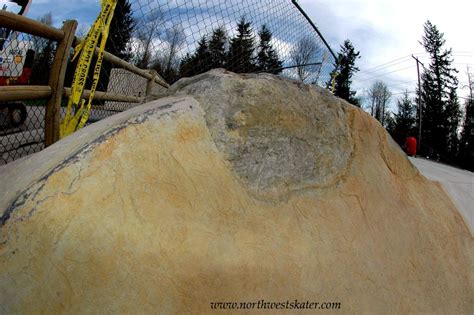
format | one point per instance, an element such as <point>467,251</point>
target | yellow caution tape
<point>85,51</point>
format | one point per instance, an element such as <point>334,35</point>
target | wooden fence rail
<point>37,92</point>
<point>55,90</point>
<point>120,63</point>
<point>105,96</point>
<point>24,92</point>
<point>25,25</point>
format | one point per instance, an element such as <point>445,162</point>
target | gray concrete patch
<point>278,134</point>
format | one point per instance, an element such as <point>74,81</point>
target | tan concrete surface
<point>153,217</point>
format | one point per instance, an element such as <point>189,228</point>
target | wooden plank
<point>56,82</point>
<point>107,96</point>
<point>24,92</point>
<point>23,24</point>
<point>128,66</point>
<point>150,82</point>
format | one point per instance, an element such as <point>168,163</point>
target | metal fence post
<point>56,82</point>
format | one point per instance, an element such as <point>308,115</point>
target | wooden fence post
<point>149,85</point>
<point>56,82</point>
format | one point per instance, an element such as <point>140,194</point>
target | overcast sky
<point>387,30</point>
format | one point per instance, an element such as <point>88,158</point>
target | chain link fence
<point>183,38</point>
<point>24,60</point>
<point>175,38</point>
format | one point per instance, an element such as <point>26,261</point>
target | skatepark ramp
<point>232,188</point>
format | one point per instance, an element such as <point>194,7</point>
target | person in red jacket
<point>410,146</point>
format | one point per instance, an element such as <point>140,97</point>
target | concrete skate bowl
<point>233,188</point>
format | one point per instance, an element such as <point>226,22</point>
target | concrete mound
<point>280,136</point>
<point>234,188</point>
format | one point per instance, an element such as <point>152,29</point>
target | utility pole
<point>469,84</point>
<point>471,97</point>
<point>420,111</point>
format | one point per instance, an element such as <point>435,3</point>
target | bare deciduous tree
<point>150,29</point>
<point>378,97</point>
<point>82,31</point>
<point>167,60</point>
<point>39,43</point>
<point>303,53</point>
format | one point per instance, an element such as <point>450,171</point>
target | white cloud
<point>385,30</point>
<point>382,30</point>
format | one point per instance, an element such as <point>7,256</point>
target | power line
<point>384,74</point>
<point>400,83</point>
<point>365,75</point>
<point>401,60</point>
<point>375,72</point>
<point>388,64</point>
<point>400,86</point>
<point>383,65</point>
<point>399,93</point>
<point>379,70</point>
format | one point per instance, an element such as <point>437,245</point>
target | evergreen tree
<point>390,123</point>
<point>44,55</point>
<point>121,28</point>
<point>438,95</point>
<point>203,55</point>
<point>240,57</point>
<point>42,64</point>
<point>198,62</point>
<point>186,66</point>
<point>267,57</point>
<point>343,72</point>
<point>217,48</point>
<point>404,119</point>
<point>453,117</point>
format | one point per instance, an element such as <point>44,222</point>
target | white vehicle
<point>13,53</point>
<point>12,58</point>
